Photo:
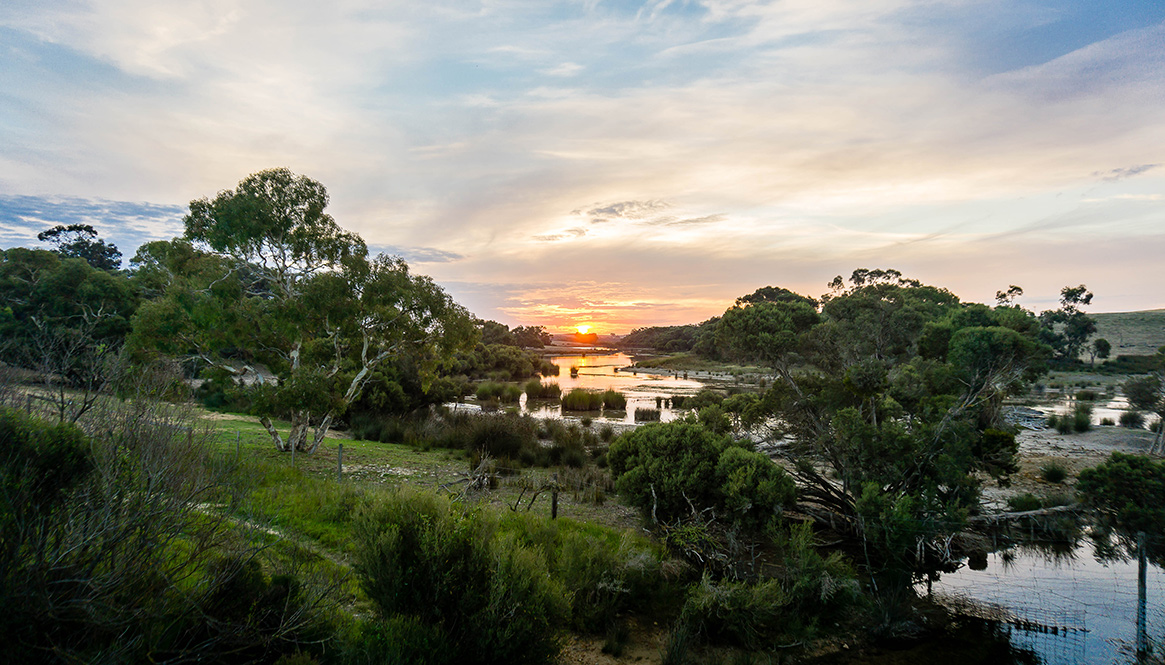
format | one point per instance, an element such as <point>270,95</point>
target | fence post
<point>554,498</point>
<point>1142,636</point>
<point>340,464</point>
<point>28,403</point>
<point>238,445</point>
<point>292,454</point>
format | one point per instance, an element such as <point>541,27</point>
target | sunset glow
<point>624,164</point>
<point>582,330</point>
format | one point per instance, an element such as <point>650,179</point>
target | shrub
<point>1053,472</point>
<point>1020,503</point>
<point>1082,417</point>
<point>1133,419</point>
<point>548,368</point>
<point>646,415</point>
<point>423,556</point>
<point>604,572</point>
<point>487,390</point>
<point>535,389</point>
<point>582,400</point>
<point>661,468</point>
<point>1107,422</point>
<point>606,433</point>
<point>1086,395</point>
<point>706,397</point>
<point>613,399</point>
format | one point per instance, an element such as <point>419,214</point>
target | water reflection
<point>1061,603</point>
<point>613,372</point>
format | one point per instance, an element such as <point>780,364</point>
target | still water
<point>1065,608</point>
<point>612,371</point>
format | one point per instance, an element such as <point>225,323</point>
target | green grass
<point>1132,333</point>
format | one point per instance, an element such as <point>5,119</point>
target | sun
<point>582,330</point>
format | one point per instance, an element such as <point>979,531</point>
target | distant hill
<point>1132,333</point>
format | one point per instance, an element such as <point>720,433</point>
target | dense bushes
<point>427,562</point>
<point>790,607</point>
<point>666,469</point>
<point>120,565</point>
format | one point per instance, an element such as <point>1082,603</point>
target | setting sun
<point>582,330</point>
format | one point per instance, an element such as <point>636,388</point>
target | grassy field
<point>303,497</point>
<point>1132,333</point>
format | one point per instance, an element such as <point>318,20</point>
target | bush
<point>613,399</point>
<point>548,368</point>
<point>1024,502</point>
<point>1133,419</point>
<point>420,555</point>
<point>535,389</point>
<point>604,572</point>
<point>1053,472</point>
<point>582,400</point>
<point>1107,422</point>
<point>646,415</point>
<point>606,433</point>
<point>660,468</point>
<point>1086,395</point>
<point>1082,417</point>
<point>402,639</point>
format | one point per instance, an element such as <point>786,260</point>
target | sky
<point>618,164</point>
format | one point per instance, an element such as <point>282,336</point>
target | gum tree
<point>889,398</point>
<point>266,277</point>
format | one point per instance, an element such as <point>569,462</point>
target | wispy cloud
<point>700,147</point>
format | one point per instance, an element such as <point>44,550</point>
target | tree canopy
<point>80,241</point>
<point>266,278</point>
<point>890,395</point>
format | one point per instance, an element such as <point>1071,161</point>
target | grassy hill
<point>1132,333</point>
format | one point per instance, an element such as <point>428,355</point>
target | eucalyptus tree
<point>890,396</point>
<point>65,320</point>
<point>265,277</point>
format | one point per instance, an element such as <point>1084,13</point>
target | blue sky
<point>619,163</point>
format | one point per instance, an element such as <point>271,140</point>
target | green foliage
<point>420,555</point>
<point>1082,417</point>
<point>1128,493</point>
<point>1054,472</point>
<point>810,593</point>
<point>613,399</point>
<point>120,566</point>
<point>1132,419</point>
<point>39,465</point>
<point>1146,393</point>
<point>287,288</point>
<point>62,317</point>
<point>504,392</point>
<point>661,468</point>
<point>403,639</point>
<point>500,362</point>
<point>80,241</point>
<point>605,573</point>
<point>752,488</point>
<point>648,415</point>
<point>580,399</point>
<point>1020,503</point>
<point>535,389</point>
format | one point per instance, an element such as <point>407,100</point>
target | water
<point>1091,605</point>
<point>611,372</point>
